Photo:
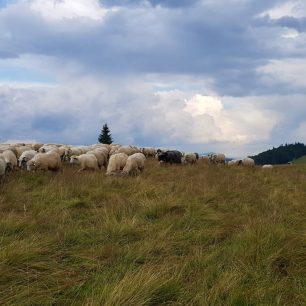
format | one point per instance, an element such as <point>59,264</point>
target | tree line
<point>281,155</point>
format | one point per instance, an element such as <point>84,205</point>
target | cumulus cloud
<point>200,105</point>
<point>68,9</point>
<point>204,119</point>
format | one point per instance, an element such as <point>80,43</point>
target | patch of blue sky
<point>21,74</point>
<point>4,3</point>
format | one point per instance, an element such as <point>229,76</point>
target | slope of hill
<point>175,235</point>
<point>301,160</point>
<point>281,155</point>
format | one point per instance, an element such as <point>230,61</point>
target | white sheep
<point>10,157</point>
<point>72,151</point>
<point>61,151</point>
<point>101,157</point>
<point>128,150</point>
<point>45,161</point>
<point>249,162</point>
<point>189,158</point>
<point>86,161</point>
<point>113,149</point>
<point>36,146</point>
<point>25,157</point>
<point>20,150</point>
<point>235,162</point>
<point>3,168</point>
<point>134,164</point>
<point>102,150</point>
<point>267,167</point>
<point>217,159</point>
<point>148,152</point>
<point>116,163</point>
<point>48,148</point>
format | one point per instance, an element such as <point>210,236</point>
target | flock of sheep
<point>115,159</point>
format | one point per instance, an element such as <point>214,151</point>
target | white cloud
<point>69,9</point>
<point>293,8</point>
<point>203,119</point>
<point>201,105</point>
<point>287,71</point>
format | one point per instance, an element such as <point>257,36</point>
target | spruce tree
<point>105,135</point>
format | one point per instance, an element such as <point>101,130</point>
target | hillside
<point>281,155</point>
<point>176,235</point>
<point>301,160</point>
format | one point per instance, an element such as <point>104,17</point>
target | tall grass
<point>193,235</point>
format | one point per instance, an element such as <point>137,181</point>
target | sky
<point>197,75</point>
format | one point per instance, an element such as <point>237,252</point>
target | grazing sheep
<point>101,145</point>
<point>249,162</point>
<point>73,151</point>
<point>86,161</point>
<point>113,149</point>
<point>21,149</point>
<point>134,164</point>
<point>45,161</point>
<point>128,150</point>
<point>102,150</point>
<point>25,157</point>
<point>148,152</point>
<point>116,163</point>
<point>12,148</point>
<point>172,157</point>
<point>36,146</point>
<point>62,150</point>
<point>217,159</point>
<point>101,157</point>
<point>6,147</point>
<point>2,169</point>
<point>48,148</point>
<point>83,149</point>
<point>10,157</point>
<point>235,162</point>
<point>159,152</point>
<point>267,167</point>
<point>189,158</point>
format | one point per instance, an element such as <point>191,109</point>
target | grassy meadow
<point>175,235</point>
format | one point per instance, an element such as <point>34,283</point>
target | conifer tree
<point>105,135</point>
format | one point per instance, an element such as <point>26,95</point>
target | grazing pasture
<point>174,235</point>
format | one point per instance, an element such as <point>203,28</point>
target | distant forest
<point>281,155</point>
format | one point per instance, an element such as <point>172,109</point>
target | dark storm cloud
<point>218,40</point>
<point>298,24</point>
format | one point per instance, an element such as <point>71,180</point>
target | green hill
<point>301,160</point>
